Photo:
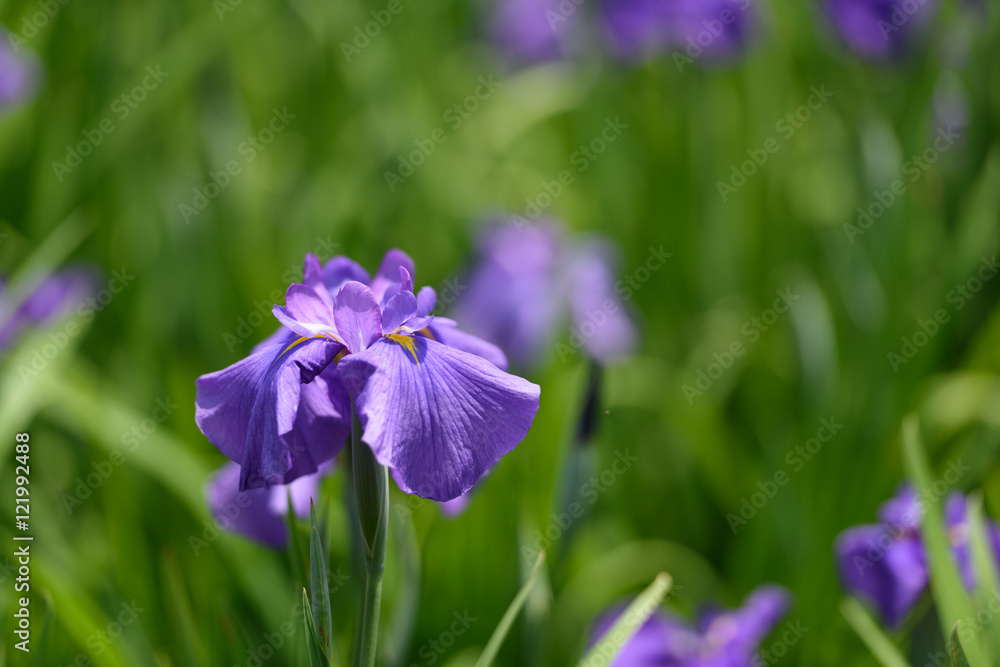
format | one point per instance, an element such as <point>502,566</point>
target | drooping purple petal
<point>886,568</point>
<point>249,410</point>
<point>388,279</point>
<point>437,416</point>
<point>662,641</point>
<point>531,31</point>
<point>305,312</point>
<point>54,296</point>
<point>447,332</point>
<point>245,512</point>
<point>733,637</point>
<point>637,29</point>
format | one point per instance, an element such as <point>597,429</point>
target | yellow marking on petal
<point>302,339</point>
<point>294,343</point>
<point>408,343</point>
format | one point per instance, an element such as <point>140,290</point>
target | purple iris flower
<point>717,29</point>
<point>18,74</point>
<point>259,513</point>
<point>880,29</point>
<point>721,639</point>
<point>49,300</point>
<point>434,404</point>
<point>530,279</point>
<point>886,563</point>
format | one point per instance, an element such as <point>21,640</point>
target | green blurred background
<point>320,186</point>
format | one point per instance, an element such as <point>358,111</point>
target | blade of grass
<point>953,604</point>
<point>633,618</point>
<point>987,583</point>
<point>489,653</point>
<point>881,647</point>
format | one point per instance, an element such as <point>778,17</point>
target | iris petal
<point>305,312</point>
<point>387,282</point>
<point>398,311</point>
<point>357,315</point>
<point>249,410</point>
<point>437,416</point>
<point>445,331</point>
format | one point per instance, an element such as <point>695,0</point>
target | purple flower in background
<point>531,30</point>
<point>721,639</point>
<point>886,563</point>
<point>879,29</point>
<point>18,74</point>
<point>530,279</point>
<point>48,300</point>
<point>715,29</point>
<point>434,404</point>
<point>259,513</point>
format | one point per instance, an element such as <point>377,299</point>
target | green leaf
<point>500,633</point>
<point>953,604</point>
<point>294,543</point>
<point>45,636</point>
<point>313,646</point>
<point>633,618</point>
<point>884,650</point>
<point>955,651</point>
<point>319,585</point>
<point>987,583</point>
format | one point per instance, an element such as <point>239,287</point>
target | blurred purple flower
<point>530,279</point>
<point>716,29</point>
<point>18,74</point>
<point>259,513</point>
<point>49,300</point>
<point>721,639</point>
<point>532,31</point>
<point>880,29</point>
<point>434,404</point>
<point>886,563</point>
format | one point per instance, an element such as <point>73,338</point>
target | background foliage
<point>321,181</point>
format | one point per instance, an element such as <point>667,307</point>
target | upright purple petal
<point>398,311</point>
<point>426,300</point>
<point>305,312</point>
<point>437,416</point>
<point>356,312</point>
<point>339,271</point>
<point>388,281</point>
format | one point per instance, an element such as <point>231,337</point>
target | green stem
<point>371,487</point>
